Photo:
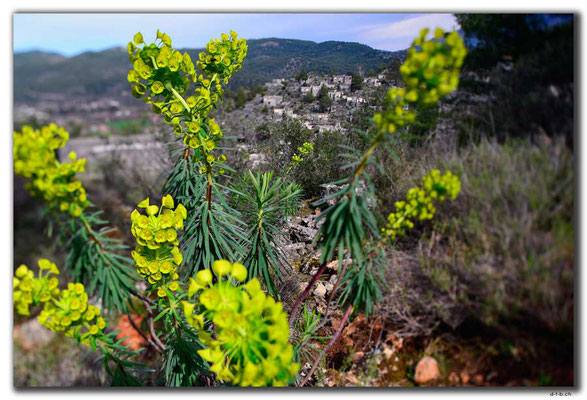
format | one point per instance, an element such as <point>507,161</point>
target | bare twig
<point>142,298</point>
<point>329,345</point>
<point>92,233</point>
<point>159,345</point>
<point>339,279</point>
<point>143,334</point>
<point>331,297</point>
<point>305,293</point>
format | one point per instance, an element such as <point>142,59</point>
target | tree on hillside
<point>254,91</point>
<point>309,97</point>
<point>392,72</point>
<point>241,98</point>
<point>324,100</point>
<point>303,75</point>
<point>356,82</point>
<point>535,93</point>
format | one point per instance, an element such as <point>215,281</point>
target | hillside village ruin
<point>282,98</point>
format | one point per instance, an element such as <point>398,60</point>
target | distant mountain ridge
<point>38,74</point>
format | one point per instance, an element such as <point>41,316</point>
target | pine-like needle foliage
<point>361,282</point>
<point>305,347</point>
<point>184,183</point>
<point>213,231</point>
<point>116,358</point>
<point>348,222</point>
<point>182,365</point>
<point>93,258</point>
<point>264,203</point>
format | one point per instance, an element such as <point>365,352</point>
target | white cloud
<point>399,35</point>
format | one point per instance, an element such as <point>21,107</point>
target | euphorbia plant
<point>185,95</point>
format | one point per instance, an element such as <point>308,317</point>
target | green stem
<point>366,156</point>
<point>177,96</point>
<point>211,80</point>
<point>209,189</point>
<point>288,171</point>
<point>329,345</point>
<point>154,62</point>
<point>260,218</point>
<point>91,232</point>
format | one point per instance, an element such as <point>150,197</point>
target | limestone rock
<point>299,233</point>
<point>333,265</point>
<point>293,252</point>
<point>329,286</point>
<point>320,290</point>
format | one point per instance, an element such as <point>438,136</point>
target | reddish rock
<point>133,338</point>
<point>426,370</point>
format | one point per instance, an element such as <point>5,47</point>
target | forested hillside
<point>104,72</point>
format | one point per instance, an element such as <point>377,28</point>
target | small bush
<point>321,167</point>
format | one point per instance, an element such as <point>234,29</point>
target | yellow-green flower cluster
<point>162,76</point>
<point>160,70</point>
<point>203,137</point>
<point>419,203</point>
<point>249,345</point>
<point>305,149</point>
<point>157,255</point>
<point>72,314</point>
<point>430,72</point>
<point>50,180</point>
<point>441,186</point>
<point>202,134</point>
<point>396,113</point>
<point>65,311</point>
<point>223,57</point>
<point>30,291</point>
<point>432,67</point>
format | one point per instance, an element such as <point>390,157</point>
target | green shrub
<point>321,167</point>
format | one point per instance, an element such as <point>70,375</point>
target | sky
<point>72,34</point>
